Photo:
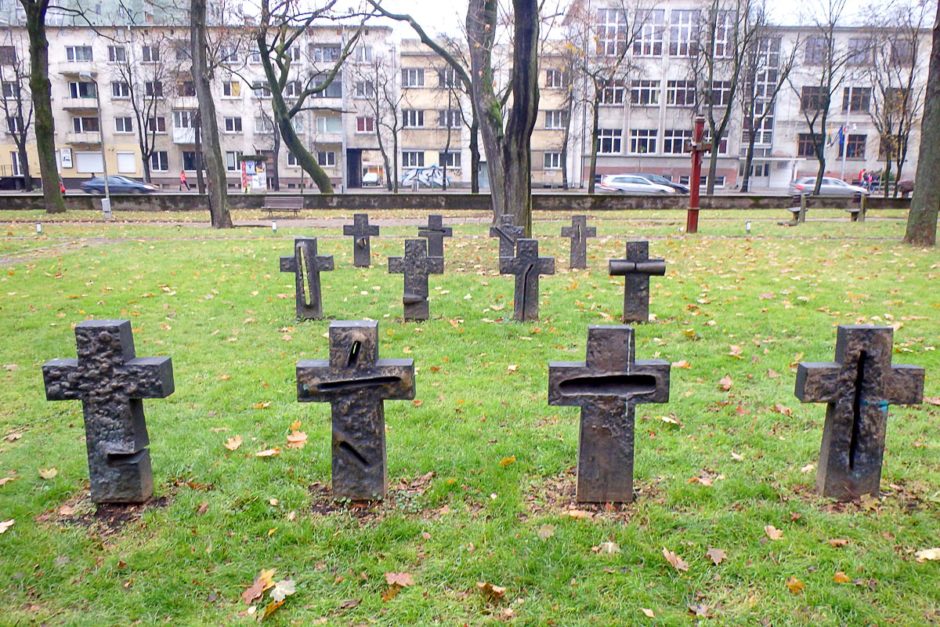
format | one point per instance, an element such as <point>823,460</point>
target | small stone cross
<point>435,232</point>
<point>306,264</point>
<point>508,233</point>
<point>578,232</point>
<point>361,231</point>
<point>527,266</point>
<point>607,386</point>
<point>356,383</point>
<point>416,265</point>
<point>858,387</point>
<point>637,268</point>
<point>111,382</point>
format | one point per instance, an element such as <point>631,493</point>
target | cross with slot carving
<point>356,383</point>
<point>637,268</point>
<point>435,232</point>
<point>508,233</point>
<point>857,387</point>
<point>527,266</point>
<point>578,232</point>
<point>361,231</point>
<point>306,264</point>
<point>416,265</point>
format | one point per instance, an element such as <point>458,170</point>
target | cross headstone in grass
<point>416,265</point>
<point>858,387</point>
<point>435,232</point>
<point>637,268</point>
<point>607,386</point>
<point>578,233</point>
<point>112,382</point>
<point>307,266</point>
<point>507,232</point>
<point>356,383</point>
<point>361,231</point>
<point>526,266</point>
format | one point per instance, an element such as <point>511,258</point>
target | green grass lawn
<point>498,507</point>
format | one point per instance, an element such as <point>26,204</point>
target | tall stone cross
<point>578,232</point>
<point>112,382</point>
<point>527,266</point>
<point>607,386</point>
<point>858,387</point>
<point>508,233</point>
<point>361,231</point>
<point>637,268</point>
<point>416,265</point>
<point>356,383</point>
<point>307,266</point>
<point>435,232</point>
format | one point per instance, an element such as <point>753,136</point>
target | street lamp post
<point>106,201</point>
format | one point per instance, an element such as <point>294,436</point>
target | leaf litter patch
<point>556,496</point>
<point>402,497</point>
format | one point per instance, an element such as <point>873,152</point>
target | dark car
<point>662,180</point>
<point>117,185</point>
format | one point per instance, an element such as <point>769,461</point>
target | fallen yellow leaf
<point>841,577</point>
<point>794,585</point>
<point>927,555</point>
<point>269,452</point>
<point>297,439</point>
<point>677,562</point>
<point>233,443</point>
<point>772,532</point>
<point>48,473</point>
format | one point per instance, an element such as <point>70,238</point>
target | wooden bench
<point>798,209</point>
<point>857,214</point>
<point>282,203</point>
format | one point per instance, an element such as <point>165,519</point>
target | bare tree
<point>384,105</point>
<point>267,121</point>
<point>17,105</point>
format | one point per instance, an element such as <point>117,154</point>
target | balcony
<point>77,68</point>
<point>184,136</point>
<point>79,104</point>
<point>83,138</point>
<point>185,102</point>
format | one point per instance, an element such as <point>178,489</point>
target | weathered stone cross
<point>356,383</point>
<point>858,389</point>
<point>361,231</point>
<point>527,266</point>
<point>416,265</point>
<point>306,264</point>
<point>435,232</point>
<point>507,233</point>
<point>606,387</point>
<point>637,268</point>
<point>111,382</point>
<point>578,232</point>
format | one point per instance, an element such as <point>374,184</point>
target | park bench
<point>283,203</point>
<point>857,213</point>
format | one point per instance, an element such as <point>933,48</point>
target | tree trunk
<point>712,156</point>
<point>145,161</point>
<point>395,158</point>
<point>475,157</point>
<point>595,131</point>
<point>24,166</point>
<point>276,170</point>
<point>922,219</point>
<point>384,153</point>
<point>211,151</point>
<point>41,90</point>
<point>200,179</point>
<point>749,161</point>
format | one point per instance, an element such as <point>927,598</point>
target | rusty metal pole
<point>691,221</point>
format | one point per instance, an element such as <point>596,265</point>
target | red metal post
<point>691,221</point>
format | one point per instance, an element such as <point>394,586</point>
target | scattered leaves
<point>683,364</point>
<point>794,585</point>
<point>838,542</point>
<point>841,577</point>
<point>725,383</point>
<point>48,473</point>
<point>402,580</point>
<point>283,589</point>
<point>924,555</point>
<point>677,562</point>
<point>735,351</point>
<point>492,594</point>
<point>773,533</point>
<point>780,408</point>
<point>296,439</point>
<point>606,548</point>
<point>6,480</point>
<point>268,452</point>
<point>262,582</point>
<point>717,556</point>
<point>233,443</point>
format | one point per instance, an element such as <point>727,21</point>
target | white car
<point>630,184</point>
<point>829,187</point>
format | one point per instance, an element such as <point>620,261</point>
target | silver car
<point>630,184</point>
<point>830,187</point>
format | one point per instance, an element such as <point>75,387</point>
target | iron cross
<point>416,265</point>
<point>307,266</point>
<point>527,266</point>
<point>361,231</point>
<point>637,268</point>
<point>578,232</point>
<point>508,233</point>
<point>435,232</point>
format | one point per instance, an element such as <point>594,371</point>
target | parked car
<point>631,184</point>
<point>371,179</point>
<point>662,180</point>
<point>117,185</point>
<point>830,187</point>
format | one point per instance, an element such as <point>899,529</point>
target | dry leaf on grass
<point>926,555</point>
<point>546,531</point>
<point>507,461</point>
<point>717,556</point>
<point>6,480</point>
<point>233,443</point>
<point>783,409</point>
<point>841,577</point>
<point>606,548</point>
<point>677,562</point>
<point>647,612</point>
<point>725,383</point>
<point>6,524</point>
<point>48,473</point>
<point>773,533</point>
<point>402,580</point>
<point>296,439</point>
<point>683,364</point>
<point>262,582</point>
<point>268,452</point>
<point>794,585</point>
<point>838,542</point>
<point>283,589</point>
<point>493,594</point>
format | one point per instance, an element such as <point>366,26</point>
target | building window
<point>649,39</point>
<point>232,160</point>
<point>643,141</point>
<point>335,88</point>
<point>15,123</point>
<point>644,93</point>
<point>721,93</point>
<point>611,32</point>
<point>412,77</point>
<point>325,54</point>
<point>364,89</point>
<point>719,181</point>
<point>860,51</point>
<point>683,32</point>
<point>159,161</point>
<point>329,124</point>
<point>449,118</point>
<point>612,93</point>
<point>724,28</point>
<point>363,54</point>
<point>228,54</point>
<point>447,77</point>
<point>811,99</point>
<point>123,124</point>
<point>412,118</point>
<point>856,99</point>
<point>150,54</point>
<point>805,146</point>
<point>7,55</point>
<point>552,161</point>
<point>450,159</point>
<point>264,124</point>
<point>191,160</point>
<point>815,51</point>
<point>186,89</point>
<point>85,125</point>
<point>680,93</point>
<point>182,52</point>
<point>292,160</point>
<point>82,90</point>
<point>254,57</point>
<point>609,141</point>
<point>10,90</point>
<point>156,124</point>
<point>260,89</point>
<point>902,52</point>
<point>293,89</point>
<point>674,141</point>
<point>326,158</point>
<point>79,53</point>
<point>365,124</point>
<point>555,79</point>
<point>153,89</point>
<point>120,89</point>
<point>232,89</point>
<point>854,146</point>
<point>184,119</point>
<point>233,124</point>
<point>412,159</point>
<point>117,54</point>
<point>722,147</point>
<point>555,120</point>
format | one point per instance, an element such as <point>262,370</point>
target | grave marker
<point>637,268</point>
<point>361,231</point>
<point>307,266</point>
<point>526,266</point>
<point>578,233</point>
<point>508,233</point>
<point>435,232</point>
<point>416,265</point>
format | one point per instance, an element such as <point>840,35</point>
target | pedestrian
<point>183,182</point>
<point>61,186</point>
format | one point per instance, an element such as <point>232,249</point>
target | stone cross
<point>527,266</point>
<point>112,382</point>
<point>508,233</point>
<point>435,232</point>
<point>356,383</point>
<point>858,387</point>
<point>416,265</point>
<point>637,268</point>
<point>578,232</point>
<point>361,231</point>
<point>306,264</point>
<point>607,386</point>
